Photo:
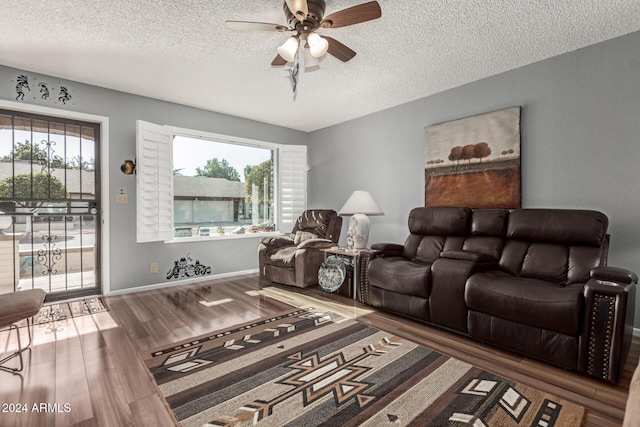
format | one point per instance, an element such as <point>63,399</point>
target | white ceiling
<point>180,50</point>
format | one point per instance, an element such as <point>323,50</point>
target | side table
<point>351,258</point>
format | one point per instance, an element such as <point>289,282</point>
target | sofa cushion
<point>423,248</point>
<point>532,302</point>
<point>547,262</point>
<point>489,222</point>
<point>439,221</point>
<point>565,227</point>
<point>491,246</point>
<point>400,275</point>
<point>552,262</point>
<point>301,236</point>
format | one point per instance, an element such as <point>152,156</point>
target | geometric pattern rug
<point>313,368</point>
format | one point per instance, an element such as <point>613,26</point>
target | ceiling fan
<point>304,18</point>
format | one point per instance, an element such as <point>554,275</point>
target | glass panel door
<point>49,196</point>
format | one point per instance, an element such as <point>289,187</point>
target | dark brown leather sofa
<point>295,259</point>
<point>531,280</point>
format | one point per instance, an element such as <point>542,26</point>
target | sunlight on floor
<point>216,302</point>
<point>57,330</point>
<point>304,301</point>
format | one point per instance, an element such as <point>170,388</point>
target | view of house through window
<point>221,188</point>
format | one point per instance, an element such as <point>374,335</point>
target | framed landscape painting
<point>474,162</point>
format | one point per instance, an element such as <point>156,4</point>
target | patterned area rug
<point>308,368</point>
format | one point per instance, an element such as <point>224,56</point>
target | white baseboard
<point>181,282</point>
<point>636,332</point>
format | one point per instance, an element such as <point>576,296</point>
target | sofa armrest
<point>608,323</point>
<point>468,256</point>
<point>316,243</point>
<point>276,241</point>
<point>387,249</point>
<point>614,274</point>
<point>363,277</point>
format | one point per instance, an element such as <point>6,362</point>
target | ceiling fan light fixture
<point>289,48</point>
<point>299,9</point>
<point>310,61</point>
<point>318,46</point>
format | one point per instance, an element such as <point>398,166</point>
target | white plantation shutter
<point>292,184</point>
<point>154,182</point>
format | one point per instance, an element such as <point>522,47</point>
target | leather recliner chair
<point>295,259</point>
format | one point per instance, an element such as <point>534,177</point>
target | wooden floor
<point>88,370</point>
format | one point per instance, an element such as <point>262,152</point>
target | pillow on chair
<point>301,236</point>
<point>276,241</point>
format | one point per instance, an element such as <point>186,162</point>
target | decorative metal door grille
<point>49,193</point>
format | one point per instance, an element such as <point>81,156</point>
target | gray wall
<point>580,133</point>
<point>129,261</point>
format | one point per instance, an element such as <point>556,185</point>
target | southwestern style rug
<point>308,368</point>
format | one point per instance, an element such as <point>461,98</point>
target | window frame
<point>281,153</point>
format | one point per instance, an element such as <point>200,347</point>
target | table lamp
<point>359,205</point>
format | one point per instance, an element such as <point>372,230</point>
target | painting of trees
<point>456,154</point>
<point>481,167</point>
<point>481,150</point>
<point>468,152</point>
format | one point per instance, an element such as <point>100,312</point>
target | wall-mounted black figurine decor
<point>44,90</point>
<point>185,267</point>
<point>21,85</point>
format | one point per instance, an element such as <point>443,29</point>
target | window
<point>198,185</point>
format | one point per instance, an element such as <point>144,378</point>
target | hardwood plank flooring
<point>92,363</point>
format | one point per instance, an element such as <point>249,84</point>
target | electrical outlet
<point>153,268</point>
<point>122,198</point>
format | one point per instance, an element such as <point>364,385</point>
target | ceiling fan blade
<point>279,61</point>
<point>340,51</point>
<point>255,26</point>
<point>353,15</point>
<point>299,9</point>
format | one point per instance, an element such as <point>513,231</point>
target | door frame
<point>105,275</point>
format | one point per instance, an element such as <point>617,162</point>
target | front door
<point>49,199</point>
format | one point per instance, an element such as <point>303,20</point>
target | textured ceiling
<point>180,50</point>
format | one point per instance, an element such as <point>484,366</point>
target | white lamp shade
<point>318,46</point>
<point>361,202</point>
<point>288,49</point>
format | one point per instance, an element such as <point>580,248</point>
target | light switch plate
<point>122,198</point>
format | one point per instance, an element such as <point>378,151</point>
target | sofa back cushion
<point>435,229</point>
<point>488,228</point>
<point>563,226</point>
<point>556,245</point>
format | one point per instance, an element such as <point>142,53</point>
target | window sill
<point>223,237</point>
